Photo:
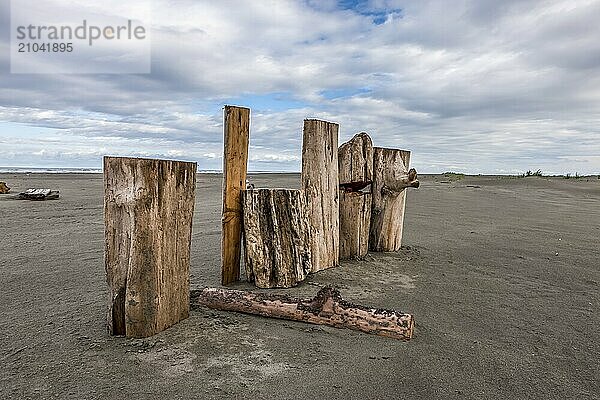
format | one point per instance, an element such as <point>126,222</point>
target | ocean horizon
<point>62,170</point>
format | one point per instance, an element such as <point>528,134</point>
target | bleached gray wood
<point>355,220</point>
<point>355,161</point>
<point>391,177</point>
<point>320,185</point>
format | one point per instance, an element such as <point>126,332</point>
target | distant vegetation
<point>566,176</point>
<point>576,176</point>
<point>453,176</point>
<point>529,173</point>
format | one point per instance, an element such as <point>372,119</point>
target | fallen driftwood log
<point>326,308</point>
<point>39,194</point>
<point>3,188</point>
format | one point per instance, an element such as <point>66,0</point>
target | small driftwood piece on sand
<point>320,184</point>
<point>326,308</point>
<point>276,237</point>
<point>391,177</point>
<point>355,161</point>
<point>39,194</point>
<point>3,188</point>
<point>148,210</point>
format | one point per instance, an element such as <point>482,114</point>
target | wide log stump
<point>391,177</point>
<point>320,185</point>
<point>276,237</point>
<point>355,161</point>
<point>326,308</point>
<point>148,209</point>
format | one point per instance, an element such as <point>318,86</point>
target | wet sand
<point>502,275</point>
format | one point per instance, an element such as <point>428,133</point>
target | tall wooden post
<point>355,159</point>
<point>148,210</point>
<point>235,164</point>
<point>391,177</point>
<point>321,189</point>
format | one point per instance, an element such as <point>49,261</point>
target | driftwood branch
<point>402,182</point>
<point>326,308</point>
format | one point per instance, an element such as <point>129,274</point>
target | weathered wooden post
<point>276,237</point>
<point>355,159</point>
<point>320,187</point>
<point>148,210</point>
<point>391,177</point>
<point>235,164</point>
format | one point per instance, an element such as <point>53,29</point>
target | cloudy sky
<point>481,86</point>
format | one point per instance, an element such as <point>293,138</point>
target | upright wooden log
<point>235,163</point>
<point>320,184</point>
<point>326,308</point>
<point>148,209</point>
<point>391,177</point>
<point>355,160</point>
<point>276,237</point>
<point>355,220</point>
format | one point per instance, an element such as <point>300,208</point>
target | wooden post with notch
<point>148,210</point>
<point>320,184</point>
<point>235,164</point>
<point>355,159</point>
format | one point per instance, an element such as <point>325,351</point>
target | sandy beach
<point>501,273</point>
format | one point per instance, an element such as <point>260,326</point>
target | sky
<point>481,86</point>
